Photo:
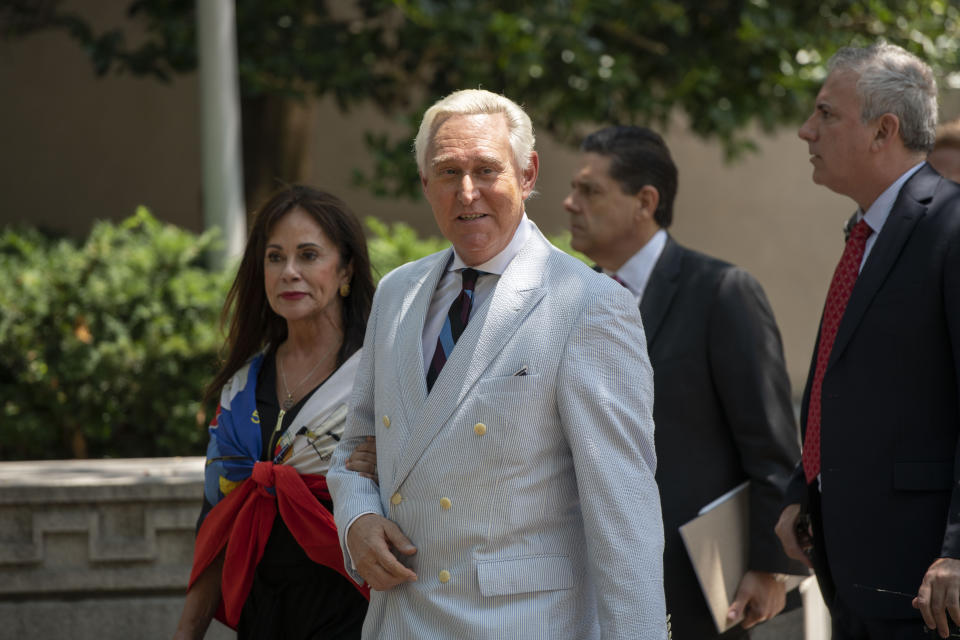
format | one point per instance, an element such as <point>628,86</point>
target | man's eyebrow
<point>440,160</point>
<point>494,160</point>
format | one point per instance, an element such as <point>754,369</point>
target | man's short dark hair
<point>638,157</point>
<point>948,135</point>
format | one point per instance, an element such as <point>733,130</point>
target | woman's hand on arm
<point>363,460</point>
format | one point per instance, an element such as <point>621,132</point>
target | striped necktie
<point>453,326</point>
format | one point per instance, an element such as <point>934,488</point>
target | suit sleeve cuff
<point>346,545</point>
<point>796,491</point>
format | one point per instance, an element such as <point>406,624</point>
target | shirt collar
<point>635,272</point>
<point>498,263</point>
<point>876,216</point>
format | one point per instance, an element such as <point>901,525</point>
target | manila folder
<point>718,542</point>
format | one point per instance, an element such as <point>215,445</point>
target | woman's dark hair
<point>252,323</point>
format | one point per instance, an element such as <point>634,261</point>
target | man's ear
<point>528,177</point>
<point>648,198</point>
<point>887,130</point>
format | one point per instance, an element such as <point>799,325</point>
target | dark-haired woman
<point>267,560</point>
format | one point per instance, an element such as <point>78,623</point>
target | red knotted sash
<point>242,522</point>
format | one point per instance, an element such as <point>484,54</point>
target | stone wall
<point>97,548</point>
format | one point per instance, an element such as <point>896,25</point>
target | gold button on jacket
<point>479,428</point>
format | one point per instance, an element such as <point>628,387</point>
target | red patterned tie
<point>837,297</point>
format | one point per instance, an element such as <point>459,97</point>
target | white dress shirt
<point>635,272</point>
<point>876,216</point>
<point>451,284</point>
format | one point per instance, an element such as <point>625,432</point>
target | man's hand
<point>363,460</point>
<point>372,540</point>
<point>787,533</point>
<point>760,596</point>
<point>939,594</point>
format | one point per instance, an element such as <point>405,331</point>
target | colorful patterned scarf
<point>246,494</point>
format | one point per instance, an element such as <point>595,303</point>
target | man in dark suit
<point>881,412</point>
<point>722,405</point>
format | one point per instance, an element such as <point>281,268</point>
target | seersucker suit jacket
<point>531,498</point>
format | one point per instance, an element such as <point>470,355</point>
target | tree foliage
<point>725,64</point>
<point>105,346</point>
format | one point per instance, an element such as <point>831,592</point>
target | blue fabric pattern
<point>234,446</point>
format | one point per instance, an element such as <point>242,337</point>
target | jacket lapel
<point>491,325</point>
<point>662,286</point>
<point>413,313</point>
<point>909,208</point>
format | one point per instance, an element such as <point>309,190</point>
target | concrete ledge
<point>50,481</point>
<point>97,548</point>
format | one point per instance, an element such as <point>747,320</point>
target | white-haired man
<point>879,477</point>
<point>517,495</point>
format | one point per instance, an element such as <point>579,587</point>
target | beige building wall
<point>74,147</point>
<point>77,148</point>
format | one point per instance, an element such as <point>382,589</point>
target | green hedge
<point>105,346</point>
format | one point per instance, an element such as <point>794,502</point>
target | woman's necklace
<point>288,401</point>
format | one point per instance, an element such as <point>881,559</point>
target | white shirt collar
<point>498,263</point>
<point>636,271</point>
<point>876,216</point>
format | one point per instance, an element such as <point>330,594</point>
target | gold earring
<point>344,289</point>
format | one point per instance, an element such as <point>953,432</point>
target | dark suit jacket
<point>890,414</point>
<point>722,409</point>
